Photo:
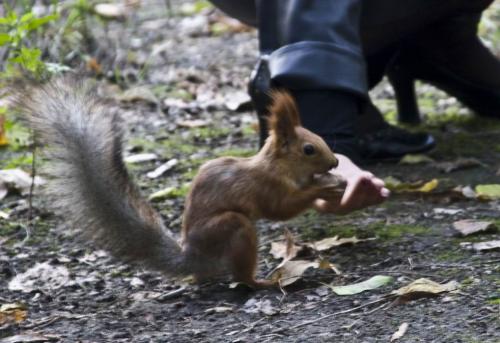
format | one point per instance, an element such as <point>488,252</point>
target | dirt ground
<point>192,67</point>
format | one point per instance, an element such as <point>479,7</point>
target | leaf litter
<point>470,226</point>
<point>290,270</point>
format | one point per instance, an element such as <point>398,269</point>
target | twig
<point>252,325</point>
<point>308,322</point>
<point>30,227</point>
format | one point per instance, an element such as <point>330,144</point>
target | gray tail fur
<point>90,183</point>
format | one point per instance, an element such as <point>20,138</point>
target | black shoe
<point>379,141</point>
<point>392,143</point>
<point>453,59</point>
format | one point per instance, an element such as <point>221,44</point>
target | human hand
<point>363,189</point>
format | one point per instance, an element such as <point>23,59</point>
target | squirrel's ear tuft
<point>284,115</point>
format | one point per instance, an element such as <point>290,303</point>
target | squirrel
<point>93,190</point>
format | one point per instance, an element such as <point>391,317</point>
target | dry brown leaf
<point>469,226</point>
<point>459,164</point>
<point>286,249</point>
<point>139,93</point>
<point>289,272</point>
<point>12,313</point>
<point>424,288</point>
<point>335,241</point>
<point>94,65</point>
<point>400,333</point>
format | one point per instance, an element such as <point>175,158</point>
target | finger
<point>378,183</point>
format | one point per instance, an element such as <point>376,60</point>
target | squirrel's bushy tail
<point>89,181</point>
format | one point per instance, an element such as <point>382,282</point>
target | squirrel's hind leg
<point>230,239</point>
<point>241,254</point>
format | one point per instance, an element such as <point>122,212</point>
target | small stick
<point>307,322</point>
<point>30,227</point>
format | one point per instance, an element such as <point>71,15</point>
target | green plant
<point>15,29</point>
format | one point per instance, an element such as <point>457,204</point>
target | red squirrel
<point>92,188</point>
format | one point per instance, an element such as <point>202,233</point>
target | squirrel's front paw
<point>329,180</point>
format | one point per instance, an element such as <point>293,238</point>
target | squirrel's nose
<point>335,164</point>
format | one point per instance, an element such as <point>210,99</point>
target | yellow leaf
<point>3,137</point>
<point>429,186</point>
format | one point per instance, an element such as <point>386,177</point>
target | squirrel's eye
<point>309,149</point>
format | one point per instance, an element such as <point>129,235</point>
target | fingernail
<point>385,192</point>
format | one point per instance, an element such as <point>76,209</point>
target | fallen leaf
<point>355,288</point>
<point>3,215</point>
<point>398,186</point>
<point>424,288</point>
<point>3,137</point>
<point>193,26</point>
<point>94,65</point>
<point>170,193</point>
<point>140,158</point>
<point>136,282</point>
<point>429,186</point>
<point>256,306</point>
<point>29,338</point>
<point>488,191</point>
<point>448,211</point>
<point>459,164</point>
<point>16,180</point>
<point>400,333</point>
<point>43,276</point>
<point>238,101</point>
<point>416,159</point>
<point>482,246</point>
<point>219,309</point>
<point>12,313</point>
<point>468,192</point>
<point>140,93</point>
<point>330,242</point>
<point>286,249</point>
<point>193,123</point>
<point>162,169</point>
<point>111,11</point>
<point>469,226</point>
<point>291,271</point>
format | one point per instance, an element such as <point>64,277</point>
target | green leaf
<point>4,38</point>
<point>26,17</point>
<point>9,19</point>
<point>488,191</point>
<point>36,23</point>
<point>355,288</point>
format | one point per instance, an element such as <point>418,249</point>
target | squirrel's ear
<point>284,116</point>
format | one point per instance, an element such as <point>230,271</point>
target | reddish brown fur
<point>230,194</point>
